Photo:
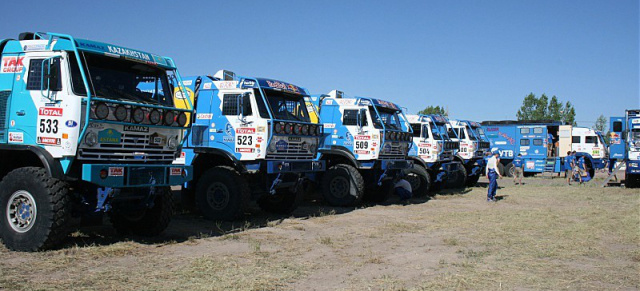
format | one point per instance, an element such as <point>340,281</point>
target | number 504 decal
<point>48,126</point>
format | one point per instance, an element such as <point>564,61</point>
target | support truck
<point>78,138</point>
<point>472,148</point>
<point>544,145</point>
<point>625,146</point>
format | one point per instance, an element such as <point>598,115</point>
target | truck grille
<point>392,152</point>
<point>446,156</point>
<point>134,147</point>
<point>293,151</point>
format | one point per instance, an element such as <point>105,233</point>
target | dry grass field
<point>543,235</point>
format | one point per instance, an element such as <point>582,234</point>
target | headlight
<point>169,118</point>
<point>121,113</point>
<point>102,111</point>
<point>638,144</point>
<point>91,139</point>
<point>312,129</point>
<point>288,128</point>
<point>272,146</point>
<point>172,143</point>
<point>279,127</point>
<point>297,129</point>
<point>305,129</point>
<point>138,115</point>
<point>182,119</point>
<point>155,116</point>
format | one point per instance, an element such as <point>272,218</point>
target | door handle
<point>20,113</point>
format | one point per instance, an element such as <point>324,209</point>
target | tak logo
<point>12,65</point>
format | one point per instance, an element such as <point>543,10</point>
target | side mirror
<point>362,117</point>
<point>246,104</point>
<point>53,74</point>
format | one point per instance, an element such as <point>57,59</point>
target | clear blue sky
<point>477,58</point>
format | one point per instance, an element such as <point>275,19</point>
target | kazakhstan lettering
<point>129,53</point>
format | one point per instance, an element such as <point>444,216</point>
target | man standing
<point>518,169</point>
<point>582,168</point>
<point>493,174</point>
<point>568,167</point>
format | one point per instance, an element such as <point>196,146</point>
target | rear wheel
<point>145,222</point>
<point>284,201</point>
<point>501,169</point>
<point>419,179</point>
<point>222,194</point>
<point>509,170</point>
<point>34,210</point>
<point>342,185</point>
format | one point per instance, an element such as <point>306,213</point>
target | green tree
<point>601,125</point>
<point>569,114</point>
<point>534,108</point>
<point>434,110</point>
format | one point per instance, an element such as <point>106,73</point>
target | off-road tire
<point>145,222</point>
<point>284,201</point>
<point>508,170</point>
<point>52,204</point>
<point>473,180</point>
<point>460,180</point>
<point>222,182</point>
<point>342,185</point>
<point>423,180</point>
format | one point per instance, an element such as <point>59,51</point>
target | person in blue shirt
<point>582,168</point>
<point>518,169</point>
<point>568,167</point>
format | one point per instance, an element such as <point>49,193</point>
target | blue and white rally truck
<point>365,145</point>
<point>252,139</point>
<point>473,147</point>
<point>432,152</point>
<point>625,145</point>
<point>544,145</point>
<point>79,138</point>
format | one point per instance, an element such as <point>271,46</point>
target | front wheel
<point>473,180</point>
<point>222,194</point>
<point>35,210</point>
<point>342,185</point>
<point>145,222</point>
<point>460,178</point>
<point>419,179</point>
<point>509,170</point>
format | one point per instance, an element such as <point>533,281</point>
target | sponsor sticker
<point>245,150</point>
<point>16,137</point>
<point>226,84</point>
<point>176,172</point>
<point>71,123</point>
<point>206,86</point>
<point>362,152</point>
<point>362,137</point>
<point>48,140</point>
<point>187,82</point>
<point>46,111</point>
<point>109,136</point>
<point>329,125</point>
<point>116,171</point>
<point>227,139</point>
<point>12,65</point>
<point>245,130</point>
<point>204,116</point>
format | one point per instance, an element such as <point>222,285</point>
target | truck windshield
<point>121,79</point>
<point>472,134</point>
<point>387,116</point>
<point>435,131</point>
<point>287,106</point>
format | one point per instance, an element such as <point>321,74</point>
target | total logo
<point>246,130</point>
<point>44,111</point>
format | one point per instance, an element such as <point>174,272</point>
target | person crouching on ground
<point>402,188</point>
<point>518,169</point>
<point>493,174</point>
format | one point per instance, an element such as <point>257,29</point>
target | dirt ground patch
<point>542,235</point>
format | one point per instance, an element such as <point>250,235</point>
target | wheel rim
<point>414,180</point>
<point>512,171</point>
<point>218,196</point>
<point>339,187</point>
<point>21,211</point>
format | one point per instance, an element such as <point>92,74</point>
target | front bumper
<point>275,167</point>
<point>123,176</point>
<point>396,164</point>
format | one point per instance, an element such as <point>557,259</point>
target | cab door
<point>242,125</point>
